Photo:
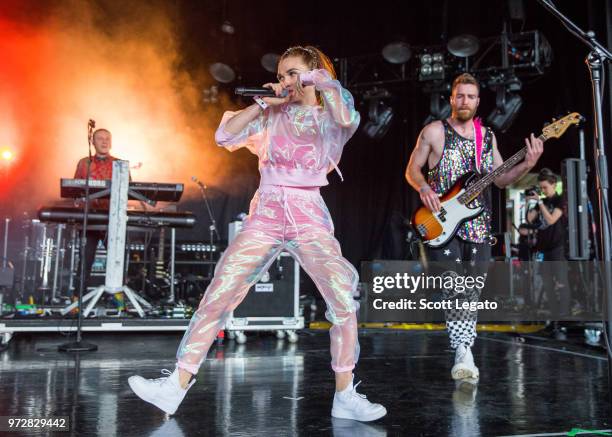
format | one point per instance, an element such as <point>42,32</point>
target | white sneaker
<point>165,393</point>
<point>348,404</point>
<point>464,367</point>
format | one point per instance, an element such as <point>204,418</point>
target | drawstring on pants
<point>288,213</point>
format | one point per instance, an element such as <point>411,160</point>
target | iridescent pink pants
<point>280,218</point>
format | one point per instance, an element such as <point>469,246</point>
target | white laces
<point>163,378</point>
<point>358,394</point>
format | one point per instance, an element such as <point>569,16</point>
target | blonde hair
<point>465,78</point>
<point>312,56</point>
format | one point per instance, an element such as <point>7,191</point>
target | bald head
<point>102,142</point>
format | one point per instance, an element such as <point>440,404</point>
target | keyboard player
<point>101,168</point>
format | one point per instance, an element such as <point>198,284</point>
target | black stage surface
<point>269,387</point>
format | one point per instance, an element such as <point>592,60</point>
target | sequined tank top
<point>458,158</point>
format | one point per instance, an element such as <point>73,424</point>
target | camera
<point>533,191</point>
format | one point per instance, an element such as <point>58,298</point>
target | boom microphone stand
<point>79,345</point>
<point>213,224</point>
<point>595,62</point>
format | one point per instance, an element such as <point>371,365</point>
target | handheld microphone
<point>258,91</point>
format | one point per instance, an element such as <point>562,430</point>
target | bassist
<point>452,148</point>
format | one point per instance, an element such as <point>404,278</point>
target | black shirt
<point>551,236</point>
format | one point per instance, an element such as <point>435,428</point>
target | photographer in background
<point>547,215</point>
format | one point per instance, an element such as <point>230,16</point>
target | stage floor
<point>270,387</point>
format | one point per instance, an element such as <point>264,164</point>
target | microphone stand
<point>79,345</point>
<point>213,226</point>
<point>595,63</point>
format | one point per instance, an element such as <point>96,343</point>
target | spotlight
<point>380,116</point>
<point>227,28</point>
<point>269,62</point>
<point>397,52</point>
<point>211,95</point>
<point>432,66</point>
<point>426,70</point>
<point>437,57</point>
<point>507,107</point>
<point>7,155</point>
<point>222,72</point>
<point>439,108</point>
<point>463,46</point>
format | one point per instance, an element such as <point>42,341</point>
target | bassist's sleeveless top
<point>458,158</point>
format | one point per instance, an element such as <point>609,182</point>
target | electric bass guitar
<point>438,228</point>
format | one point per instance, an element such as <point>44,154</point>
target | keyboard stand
<point>117,224</point>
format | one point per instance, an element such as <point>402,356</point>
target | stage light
<point>269,62</point>
<point>228,28</point>
<point>380,116</point>
<point>507,107</point>
<point>211,95</point>
<point>397,52</point>
<point>222,72</point>
<point>432,66</point>
<point>426,58</point>
<point>463,46</point>
<point>7,155</point>
<point>426,70</point>
<point>437,58</point>
<point>439,108</point>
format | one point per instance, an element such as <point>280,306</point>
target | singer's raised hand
<point>278,89</point>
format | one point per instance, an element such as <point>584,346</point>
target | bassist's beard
<point>463,115</point>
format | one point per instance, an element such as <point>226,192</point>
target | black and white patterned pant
<point>471,260</point>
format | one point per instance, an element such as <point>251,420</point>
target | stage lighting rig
<point>507,101</point>
<point>380,114</point>
<point>432,65</point>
